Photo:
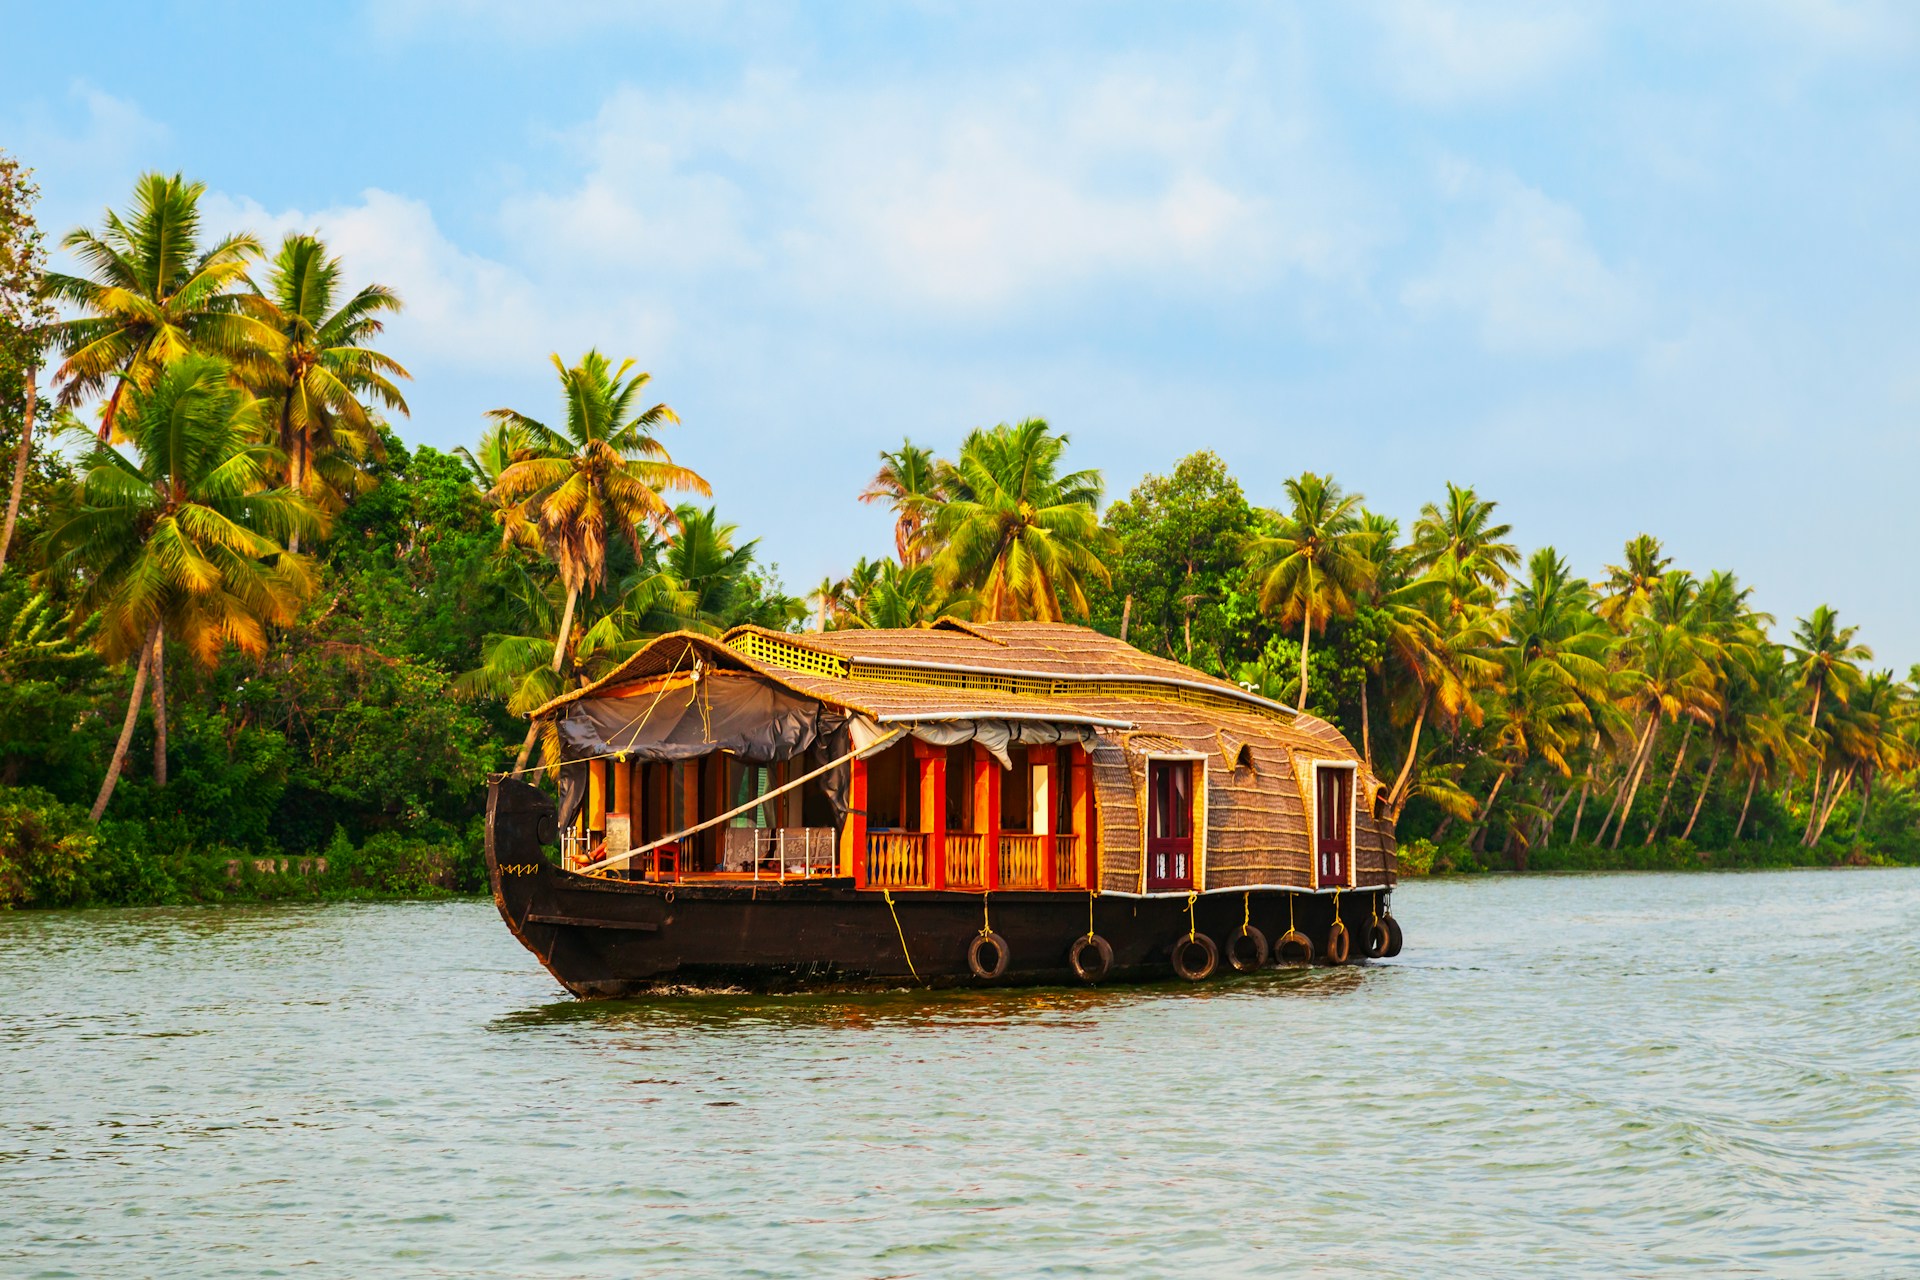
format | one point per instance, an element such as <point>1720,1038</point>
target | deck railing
<point>1022,860</point>
<point>966,860</point>
<point>897,859</point>
<point>1069,867</point>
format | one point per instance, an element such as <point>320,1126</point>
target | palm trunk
<point>1866,802</point>
<point>1841,785</point>
<point>1713,762</point>
<point>1753,777</point>
<point>1646,758</point>
<point>159,707</point>
<point>1579,811</point>
<point>21,455</point>
<point>1126,618</point>
<point>1306,639</point>
<point>1477,841</point>
<point>1813,717</point>
<point>1366,725</point>
<point>1397,796</point>
<point>1813,807</point>
<point>559,658</point>
<point>1640,748</point>
<point>1660,814</point>
<point>119,759</point>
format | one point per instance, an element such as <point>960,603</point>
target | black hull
<point>602,938</point>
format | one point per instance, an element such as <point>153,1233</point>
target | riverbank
<point>52,856</point>
<point>1419,858</point>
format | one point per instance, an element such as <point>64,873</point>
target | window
<point>1169,825</point>
<point>1332,817</point>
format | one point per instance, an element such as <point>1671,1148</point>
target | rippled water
<point>1603,1075</point>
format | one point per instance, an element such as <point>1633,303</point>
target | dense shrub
<point>44,846</point>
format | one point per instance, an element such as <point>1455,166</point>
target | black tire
<point>1244,938</point>
<point>1378,939</point>
<point>1002,953</point>
<point>1339,943</point>
<point>546,828</point>
<point>1091,956</point>
<point>1192,967</point>
<point>1295,941</point>
<point>1394,937</point>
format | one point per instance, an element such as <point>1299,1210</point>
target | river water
<point>1594,1075</point>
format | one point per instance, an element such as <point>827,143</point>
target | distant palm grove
<point>251,644</point>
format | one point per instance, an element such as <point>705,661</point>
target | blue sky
<point>1646,267</point>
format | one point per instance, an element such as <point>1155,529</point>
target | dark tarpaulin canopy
<point>753,719</point>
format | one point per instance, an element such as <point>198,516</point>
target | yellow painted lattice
<point>791,656</point>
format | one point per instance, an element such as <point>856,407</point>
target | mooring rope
<point>888,895</point>
<point>1192,928</point>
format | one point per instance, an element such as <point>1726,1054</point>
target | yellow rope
<point>1336,907</point>
<point>888,895</point>
<point>1192,928</point>
<point>1290,927</point>
<point>1089,913</point>
<point>986,917</point>
<point>1246,916</point>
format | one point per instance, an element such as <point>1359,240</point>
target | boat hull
<point>606,938</point>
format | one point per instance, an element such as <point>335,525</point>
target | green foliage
<point>44,847</point>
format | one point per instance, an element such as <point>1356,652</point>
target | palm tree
<point>1460,539</point>
<point>1019,535</point>
<point>913,484</point>
<point>184,537</point>
<point>607,467</point>
<point>153,294</point>
<point>1629,585</point>
<point>1317,561</point>
<point>1826,660</point>
<point>324,369</point>
<point>909,597</point>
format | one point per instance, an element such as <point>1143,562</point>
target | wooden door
<point>1332,813</point>
<point>1169,825</point>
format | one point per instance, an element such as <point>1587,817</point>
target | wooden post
<point>1080,795</point>
<point>932,762</point>
<point>986,814</point>
<point>622,771</point>
<point>690,808</point>
<point>1041,792</point>
<point>596,795</point>
<point>854,834</point>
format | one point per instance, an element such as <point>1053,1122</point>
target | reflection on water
<point>1598,1075</point>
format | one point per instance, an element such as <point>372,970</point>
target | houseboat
<point>955,804</point>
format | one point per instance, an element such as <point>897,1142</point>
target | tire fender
<point>1339,943</point>
<point>1090,957</point>
<point>1247,949</point>
<point>984,943</point>
<point>1295,941</point>
<point>1195,956</point>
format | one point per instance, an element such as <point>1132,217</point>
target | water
<point>1603,1075</point>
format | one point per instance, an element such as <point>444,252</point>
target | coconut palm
<point>1630,584</point>
<point>1826,659</point>
<point>324,370</point>
<point>913,484</point>
<point>1316,562</point>
<point>1459,539</point>
<point>599,477</point>
<point>184,537</point>
<point>1023,538</point>
<point>909,597</point>
<point>151,295</point>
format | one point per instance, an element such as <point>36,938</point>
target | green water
<point>1601,1075</point>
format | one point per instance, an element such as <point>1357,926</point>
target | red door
<point>1169,825</point>
<point>1331,809</point>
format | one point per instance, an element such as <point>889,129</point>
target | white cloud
<point>462,308</point>
<point>1525,275</point>
<point>1439,52</point>
<point>92,142</point>
<point>977,196</point>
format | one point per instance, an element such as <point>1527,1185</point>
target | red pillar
<point>986,813</point>
<point>854,834</point>
<point>1080,794</point>
<point>932,766</point>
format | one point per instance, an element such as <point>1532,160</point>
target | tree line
<point>217,553</point>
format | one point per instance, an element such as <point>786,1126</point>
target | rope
<point>1192,928</point>
<point>621,754</point>
<point>1290,926</point>
<point>1336,907</point>
<point>888,895</point>
<point>1246,916</point>
<point>986,917</point>
<point>1089,913</point>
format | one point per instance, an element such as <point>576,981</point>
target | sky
<point>1627,268</point>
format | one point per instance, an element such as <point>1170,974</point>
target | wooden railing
<point>1069,867</point>
<point>897,860</point>
<point>966,860</point>
<point>1022,860</point>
